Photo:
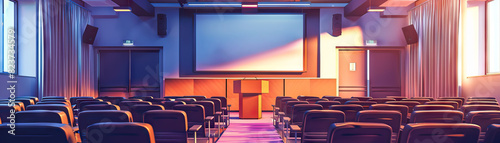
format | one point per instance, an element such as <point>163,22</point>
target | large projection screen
<point>249,42</point>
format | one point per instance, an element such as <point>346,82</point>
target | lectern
<point>250,97</point>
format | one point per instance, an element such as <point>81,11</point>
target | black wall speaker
<point>162,24</point>
<point>89,34</point>
<point>410,33</point>
<point>337,25</point>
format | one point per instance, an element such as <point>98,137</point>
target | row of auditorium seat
<point>363,119</point>
<point>115,119</point>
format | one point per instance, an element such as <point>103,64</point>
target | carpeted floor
<point>251,130</point>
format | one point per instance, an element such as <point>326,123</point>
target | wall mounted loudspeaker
<point>89,34</point>
<point>162,24</point>
<point>337,25</point>
<point>410,33</point>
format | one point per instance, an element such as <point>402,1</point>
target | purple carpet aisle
<point>251,130</point>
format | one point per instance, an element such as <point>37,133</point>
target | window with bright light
<point>8,40</point>
<point>493,36</point>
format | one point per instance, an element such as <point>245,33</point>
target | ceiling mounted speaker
<point>411,35</point>
<point>337,25</point>
<point>89,34</point>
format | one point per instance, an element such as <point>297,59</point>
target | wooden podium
<point>250,97</point>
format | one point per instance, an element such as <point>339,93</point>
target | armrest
<point>286,119</point>
<point>295,128</point>
<point>209,118</point>
<point>195,128</point>
<point>223,108</point>
<point>218,113</point>
<point>76,129</point>
<point>281,113</point>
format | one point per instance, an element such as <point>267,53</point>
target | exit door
<point>369,72</point>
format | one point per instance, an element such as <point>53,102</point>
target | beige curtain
<point>66,62</point>
<point>432,62</point>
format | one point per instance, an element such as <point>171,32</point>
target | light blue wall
<point>113,29</point>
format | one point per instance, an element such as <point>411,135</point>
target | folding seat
<point>85,103</point>
<point>5,112</point>
<point>126,105</point>
<point>170,126</point>
<point>421,101</point>
<point>67,110</point>
<point>157,100</point>
<point>330,98</point>
<point>37,133</point>
<point>493,134</point>
<point>382,100</point>
<point>440,132</point>
<point>196,116</point>
<point>459,98</point>
<point>452,103</point>
<point>403,109</point>
<point>169,105</point>
<point>276,108</point>
<point>410,104</point>
<point>173,97</point>
<point>78,101</point>
<point>87,118</point>
<point>397,98</point>
<point>122,132</point>
<point>481,103</point>
<point>344,100</point>
<point>327,104</point>
<point>72,100</point>
<point>365,104</point>
<point>113,100</point>
<point>138,111</point>
<point>459,101</point>
<point>100,107</point>
<point>283,104</point>
<point>350,111</point>
<point>197,97</point>
<point>289,107</point>
<point>226,108</point>
<point>430,98</point>
<point>314,100</point>
<point>210,113</point>
<point>18,103</point>
<point>436,116</point>
<point>41,116</point>
<point>186,100</point>
<point>433,107</point>
<point>57,99</point>
<point>483,119</point>
<point>481,98</point>
<point>136,99</point>
<point>356,132</point>
<point>299,111</point>
<point>219,119</point>
<point>143,98</point>
<point>304,98</point>
<point>467,108</point>
<point>362,98</point>
<point>54,102</point>
<point>53,97</point>
<point>25,101</point>
<point>316,123</point>
<point>388,117</point>
<point>491,100</point>
<point>35,99</point>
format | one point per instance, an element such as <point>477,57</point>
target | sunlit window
<point>493,36</point>
<point>8,36</point>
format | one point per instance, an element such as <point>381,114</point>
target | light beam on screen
<point>249,42</point>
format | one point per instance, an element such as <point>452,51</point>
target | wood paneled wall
<point>277,87</point>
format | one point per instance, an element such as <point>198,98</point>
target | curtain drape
<point>432,62</point>
<point>66,61</point>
